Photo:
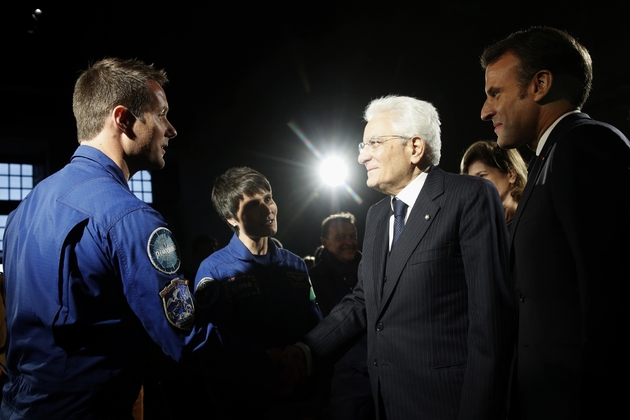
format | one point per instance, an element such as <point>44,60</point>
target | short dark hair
<point>231,187</point>
<point>489,152</point>
<point>107,84</point>
<point>336,218</point>
<point>544,48</point>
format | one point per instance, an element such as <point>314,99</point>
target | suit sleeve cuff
<point>307,356</point>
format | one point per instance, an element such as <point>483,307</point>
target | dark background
<point>241,71</point>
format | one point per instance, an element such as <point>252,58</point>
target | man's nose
<point>487,111</point>
<point>364,156</point>
<point>170,130</point>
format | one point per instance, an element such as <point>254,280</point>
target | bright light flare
<point>333,171</point>
<point>325,170</point>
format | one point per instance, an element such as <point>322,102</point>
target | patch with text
<point>162,251</point>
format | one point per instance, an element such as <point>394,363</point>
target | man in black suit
<point>333,277</point>
<point>567,265</point>
<point>435,299</point>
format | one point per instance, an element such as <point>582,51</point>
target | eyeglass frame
<point>375,141</point>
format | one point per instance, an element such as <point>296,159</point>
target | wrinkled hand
<point>290,365</point>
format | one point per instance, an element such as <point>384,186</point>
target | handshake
<point>292,365</point>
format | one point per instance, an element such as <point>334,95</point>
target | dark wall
<point>235,87</point>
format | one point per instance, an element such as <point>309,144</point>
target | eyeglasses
<point>376,141</point>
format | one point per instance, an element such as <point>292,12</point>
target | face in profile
<point>256,216</point>
<point>502,181</point>
<point>388,164</point>
<point>512,110</point>
<point>152,134</point>
<point>342,241</point>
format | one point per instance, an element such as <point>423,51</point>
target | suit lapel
<point>422,216</point>
<point>534,173</point>
<point>376,246</point>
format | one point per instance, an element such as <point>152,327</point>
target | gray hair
<point>410,117</point>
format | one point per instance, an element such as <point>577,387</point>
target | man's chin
<point>503,144</point>
<point>506,143</point>
<point>156,165</point>
<point>374,185</point>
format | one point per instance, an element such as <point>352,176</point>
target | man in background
<point>334,277</point>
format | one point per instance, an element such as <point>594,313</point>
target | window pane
<point>3,224</point>
<point>140,185</point>
<point>16,181</point>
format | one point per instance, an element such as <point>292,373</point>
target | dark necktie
<point>400,209</point>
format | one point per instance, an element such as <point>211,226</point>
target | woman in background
<point>505,168</point>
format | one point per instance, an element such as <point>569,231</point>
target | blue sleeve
<point>149,264</point>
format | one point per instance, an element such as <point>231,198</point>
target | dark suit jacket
<point>441,328</point>
<point>569,256</point>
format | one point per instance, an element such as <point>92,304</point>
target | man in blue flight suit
<point>256,291</point>
<point>91,270</point>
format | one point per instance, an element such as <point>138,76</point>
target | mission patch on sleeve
<point>162,251</point>
<point>206,292</point>
<point>178,304</point>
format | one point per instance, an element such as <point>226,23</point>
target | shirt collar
<point>93,154</point>
<point>545,136</point>
<point>410,193</point>
<point>240,251</point>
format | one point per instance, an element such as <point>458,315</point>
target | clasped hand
<point>290,365</point>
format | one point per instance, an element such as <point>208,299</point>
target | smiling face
<point>342,241</point>
<point>152,134</point>
<point>389,164</point>
<point>256,217</point>
<point>512,110</point>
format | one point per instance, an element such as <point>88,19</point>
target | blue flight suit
<point>91,278</point>
<point>262,300</point>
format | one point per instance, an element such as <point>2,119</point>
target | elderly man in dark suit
<point>567,264</point>
<point>434,298</point>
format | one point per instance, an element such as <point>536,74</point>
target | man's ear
<point>124,120</point>
<point>418,148</point>
<point>541,85</point>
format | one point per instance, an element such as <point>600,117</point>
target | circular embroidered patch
<point>207,292</point>
<point>162,251</point>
